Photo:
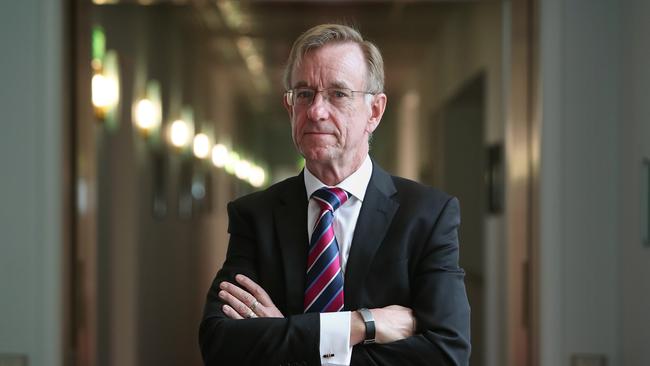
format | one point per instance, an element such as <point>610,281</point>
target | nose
<point>317,110</point>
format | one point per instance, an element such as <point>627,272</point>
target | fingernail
<point>239,277</point>
<point>223,285</point>
<point>222,294</point>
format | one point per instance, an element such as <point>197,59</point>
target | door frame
<point>522,155</point>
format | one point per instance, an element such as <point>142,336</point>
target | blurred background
<point>127,126</point>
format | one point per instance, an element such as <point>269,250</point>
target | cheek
<point>356,129</point>
<point>295,126</point>
<point>357,122</point>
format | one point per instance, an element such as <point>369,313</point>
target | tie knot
<point>330,198</point>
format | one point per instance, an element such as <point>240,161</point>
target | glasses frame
<point>290,93</point>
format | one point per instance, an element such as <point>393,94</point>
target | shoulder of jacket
<point>408,187</point>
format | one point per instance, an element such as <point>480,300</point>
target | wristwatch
<point>369,320</point>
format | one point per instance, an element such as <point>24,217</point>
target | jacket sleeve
<point>439,302</point>
<point>293,340</point>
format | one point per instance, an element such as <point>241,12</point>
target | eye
<point>339,93</point>
<point>304,94</point>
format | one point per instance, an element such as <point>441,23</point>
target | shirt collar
<point>355,184</point>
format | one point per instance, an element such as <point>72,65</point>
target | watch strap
<point>369,321</point>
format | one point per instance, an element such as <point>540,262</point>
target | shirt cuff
<point>334,346</point>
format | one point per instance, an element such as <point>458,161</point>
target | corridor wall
<point>31,190</point>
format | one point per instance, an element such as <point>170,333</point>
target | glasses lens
<point>338,97</point>
<point>303,96</point>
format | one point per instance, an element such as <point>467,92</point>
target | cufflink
<point>328,355</point>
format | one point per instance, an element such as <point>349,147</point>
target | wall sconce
<point>106,88</point>
<point>147,111</point>
<point>201,145</point>
<point>243,169</point>
<point>257,177</point>
<point>219,155</point>
<point>105,83</point>
<point>145,114</point>
<point>233,164</point>
<point>180,133</point>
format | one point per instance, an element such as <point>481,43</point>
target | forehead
<point>335,64</point>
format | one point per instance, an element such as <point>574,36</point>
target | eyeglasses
<point>338,97</point>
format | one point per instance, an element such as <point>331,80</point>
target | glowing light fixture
<point>233,16</point>
<point>105,83</point>
<point>257,177</point>
<point>234,164</point>
<point>147,111</point>
<point>243,169</point>
<point>201,146</point>
<point>145,114</point>
<point>105,92</point>
<point>179,133</point>
<point>219,155</point>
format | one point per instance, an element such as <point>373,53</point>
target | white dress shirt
<point>335,327</point>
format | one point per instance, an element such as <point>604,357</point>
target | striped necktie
<point>324,291</point>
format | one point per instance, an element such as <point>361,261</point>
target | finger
<point>256,290</point>
<point>230,312</point>
<point>242,295</point>
<point>241,308</point>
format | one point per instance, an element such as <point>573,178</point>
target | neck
<point>333,173</point>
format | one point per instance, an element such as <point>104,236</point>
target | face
<point>328,134</point>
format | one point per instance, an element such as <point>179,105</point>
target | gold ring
<point>254,306</point>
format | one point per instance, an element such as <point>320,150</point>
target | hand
<point>250,302</point>
<point>392,323</point>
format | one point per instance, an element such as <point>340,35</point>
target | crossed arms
<point>427,324</point>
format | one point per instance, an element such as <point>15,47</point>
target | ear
<point>285,102</point>
<point>377,108</point>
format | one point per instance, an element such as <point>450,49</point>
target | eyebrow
<point>334,84</point>
<point>300,84</point>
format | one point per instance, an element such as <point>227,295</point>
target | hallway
<point>129,127</point>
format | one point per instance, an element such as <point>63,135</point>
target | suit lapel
<point>375,217</point>
<point>291,223</point>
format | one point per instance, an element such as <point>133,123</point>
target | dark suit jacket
<point>404,252</point>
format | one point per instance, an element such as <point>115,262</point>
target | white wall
<point>595,281</point>
<point>30,182</point>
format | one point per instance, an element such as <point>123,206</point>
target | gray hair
<point>323,34</point>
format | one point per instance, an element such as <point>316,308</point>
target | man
<point>310,255</point>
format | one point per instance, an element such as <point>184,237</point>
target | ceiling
<point>403,30</point>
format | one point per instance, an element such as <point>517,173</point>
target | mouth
<point>318,133</point>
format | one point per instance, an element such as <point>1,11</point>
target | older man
<point>343,264</point>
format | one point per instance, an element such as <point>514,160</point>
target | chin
<point>321,155</point>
